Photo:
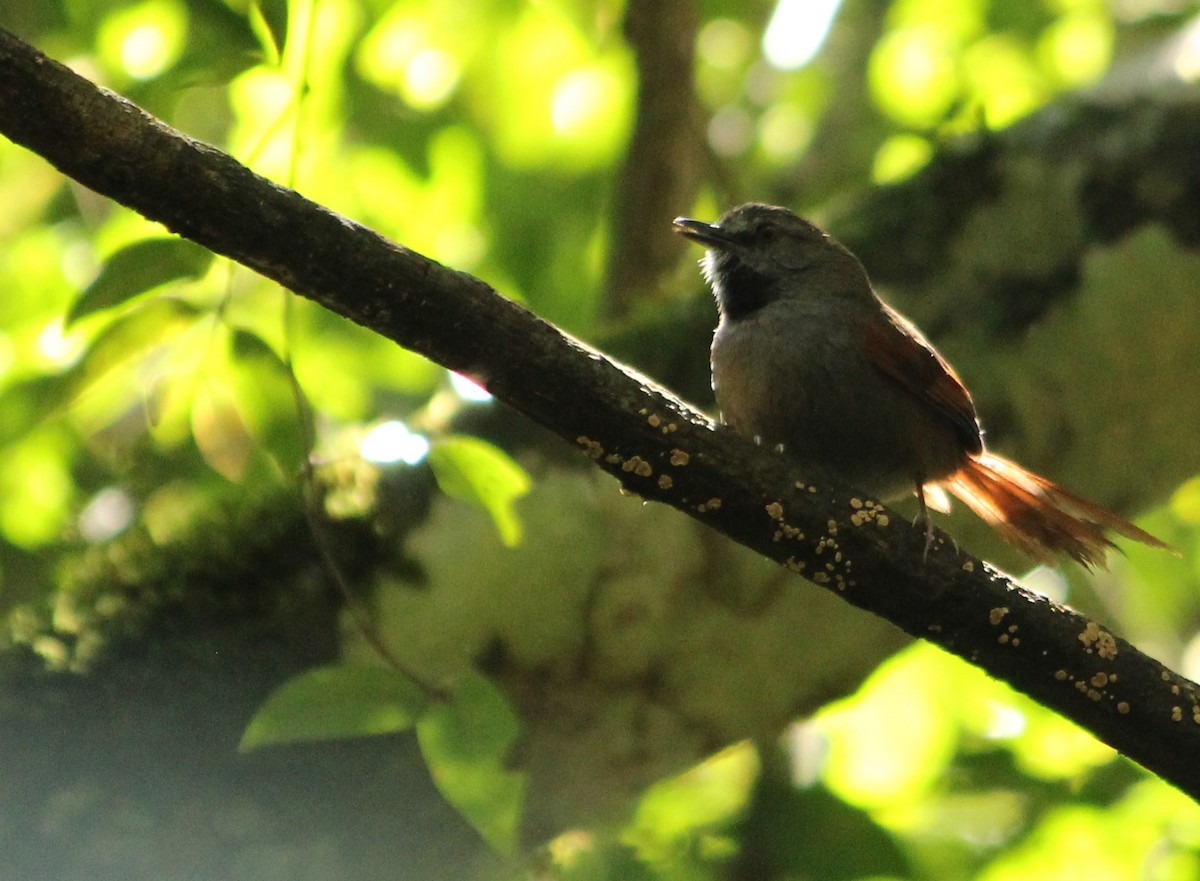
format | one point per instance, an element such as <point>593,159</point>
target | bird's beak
<point>705,233</point>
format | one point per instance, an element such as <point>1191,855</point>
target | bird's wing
<point>899,351</point>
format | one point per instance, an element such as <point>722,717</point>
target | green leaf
<point>477,472</point>
<point>334,703</point>
<point>138,268</point>
<point>130,335</point>
<point>274,15</point>
<point>466,742</point>
<point>839,842</point>
<point>263,387</point>
<point>247,345</point>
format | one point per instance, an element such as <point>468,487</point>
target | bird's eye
<point>767,232</point>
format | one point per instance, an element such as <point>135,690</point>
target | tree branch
<point>656,445</point>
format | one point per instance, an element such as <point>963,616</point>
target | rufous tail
<point>1038,515</point>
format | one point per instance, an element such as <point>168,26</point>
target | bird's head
<point>761,253</point>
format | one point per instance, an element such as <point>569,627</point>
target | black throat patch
<point>740,290</point>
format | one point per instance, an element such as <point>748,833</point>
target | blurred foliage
<point>476,471</point>
<point>465,736</point>
<point>331,703</point>
<point>144,385</point>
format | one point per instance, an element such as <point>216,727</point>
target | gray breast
<point>797,376</point>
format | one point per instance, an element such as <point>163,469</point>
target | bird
<point>807,358</point>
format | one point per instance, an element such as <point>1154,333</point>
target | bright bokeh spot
<point>1186,63</point>
<point>899,157</point>
<point>389,48</point>
<point>1001,72</point>
<point>404,54</point>
<point>582,100</point>
<point>1077,49</point>
<point>589,112</point>
<point>108,514</point>
<point>784,131</point>
<point>724,43</point>
<point>945,61</point>
<point>556,98</point>
<point>796,31</point>
<point>914,75</point>
<point>893,739</point>
<point>57,347</point>
<point>731,131</point>
<point>430,78</point>
<point>468,389</point>
<point>391,442</point>
<point>144,40</point>
<point>35,488</point>
<point>1006,722</point>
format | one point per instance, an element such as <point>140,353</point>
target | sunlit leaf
<point>870,765</point>
<point>129,336</point>
<point>712,792</point>
<point>267,399</point>
<point>477,472</point>
<point>334,703</point>
<point>1055,748</point>
<point>220,432</point>
<point>138,268</point>
<point>466,742</point>
<point>1075,840</point>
